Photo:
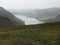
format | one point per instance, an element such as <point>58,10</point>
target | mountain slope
<point>5,22</point>
<point>56,19</point>
<point>10,16</point>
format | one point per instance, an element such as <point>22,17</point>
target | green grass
<point>41,34</point>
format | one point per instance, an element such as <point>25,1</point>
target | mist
<point>29,4</point>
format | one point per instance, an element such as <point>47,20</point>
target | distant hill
<point>56,19</point>
<point>40,14</point>
<point>7,18</point>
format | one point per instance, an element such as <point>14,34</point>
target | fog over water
<point>29,20</point>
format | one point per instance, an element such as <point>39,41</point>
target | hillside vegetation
<point>41,34</point>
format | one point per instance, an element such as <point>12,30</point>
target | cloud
<point>28,4</point>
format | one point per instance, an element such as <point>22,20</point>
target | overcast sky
<point>29,4</point>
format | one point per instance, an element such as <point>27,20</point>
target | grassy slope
<point>43,34</point>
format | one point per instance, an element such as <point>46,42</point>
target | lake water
<point>29,20</point>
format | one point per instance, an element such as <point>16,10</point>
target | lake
<point>29,20</point>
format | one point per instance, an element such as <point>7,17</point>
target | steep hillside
<point>42,34</point>
<point>11,17</point>
<point>5,22</point>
